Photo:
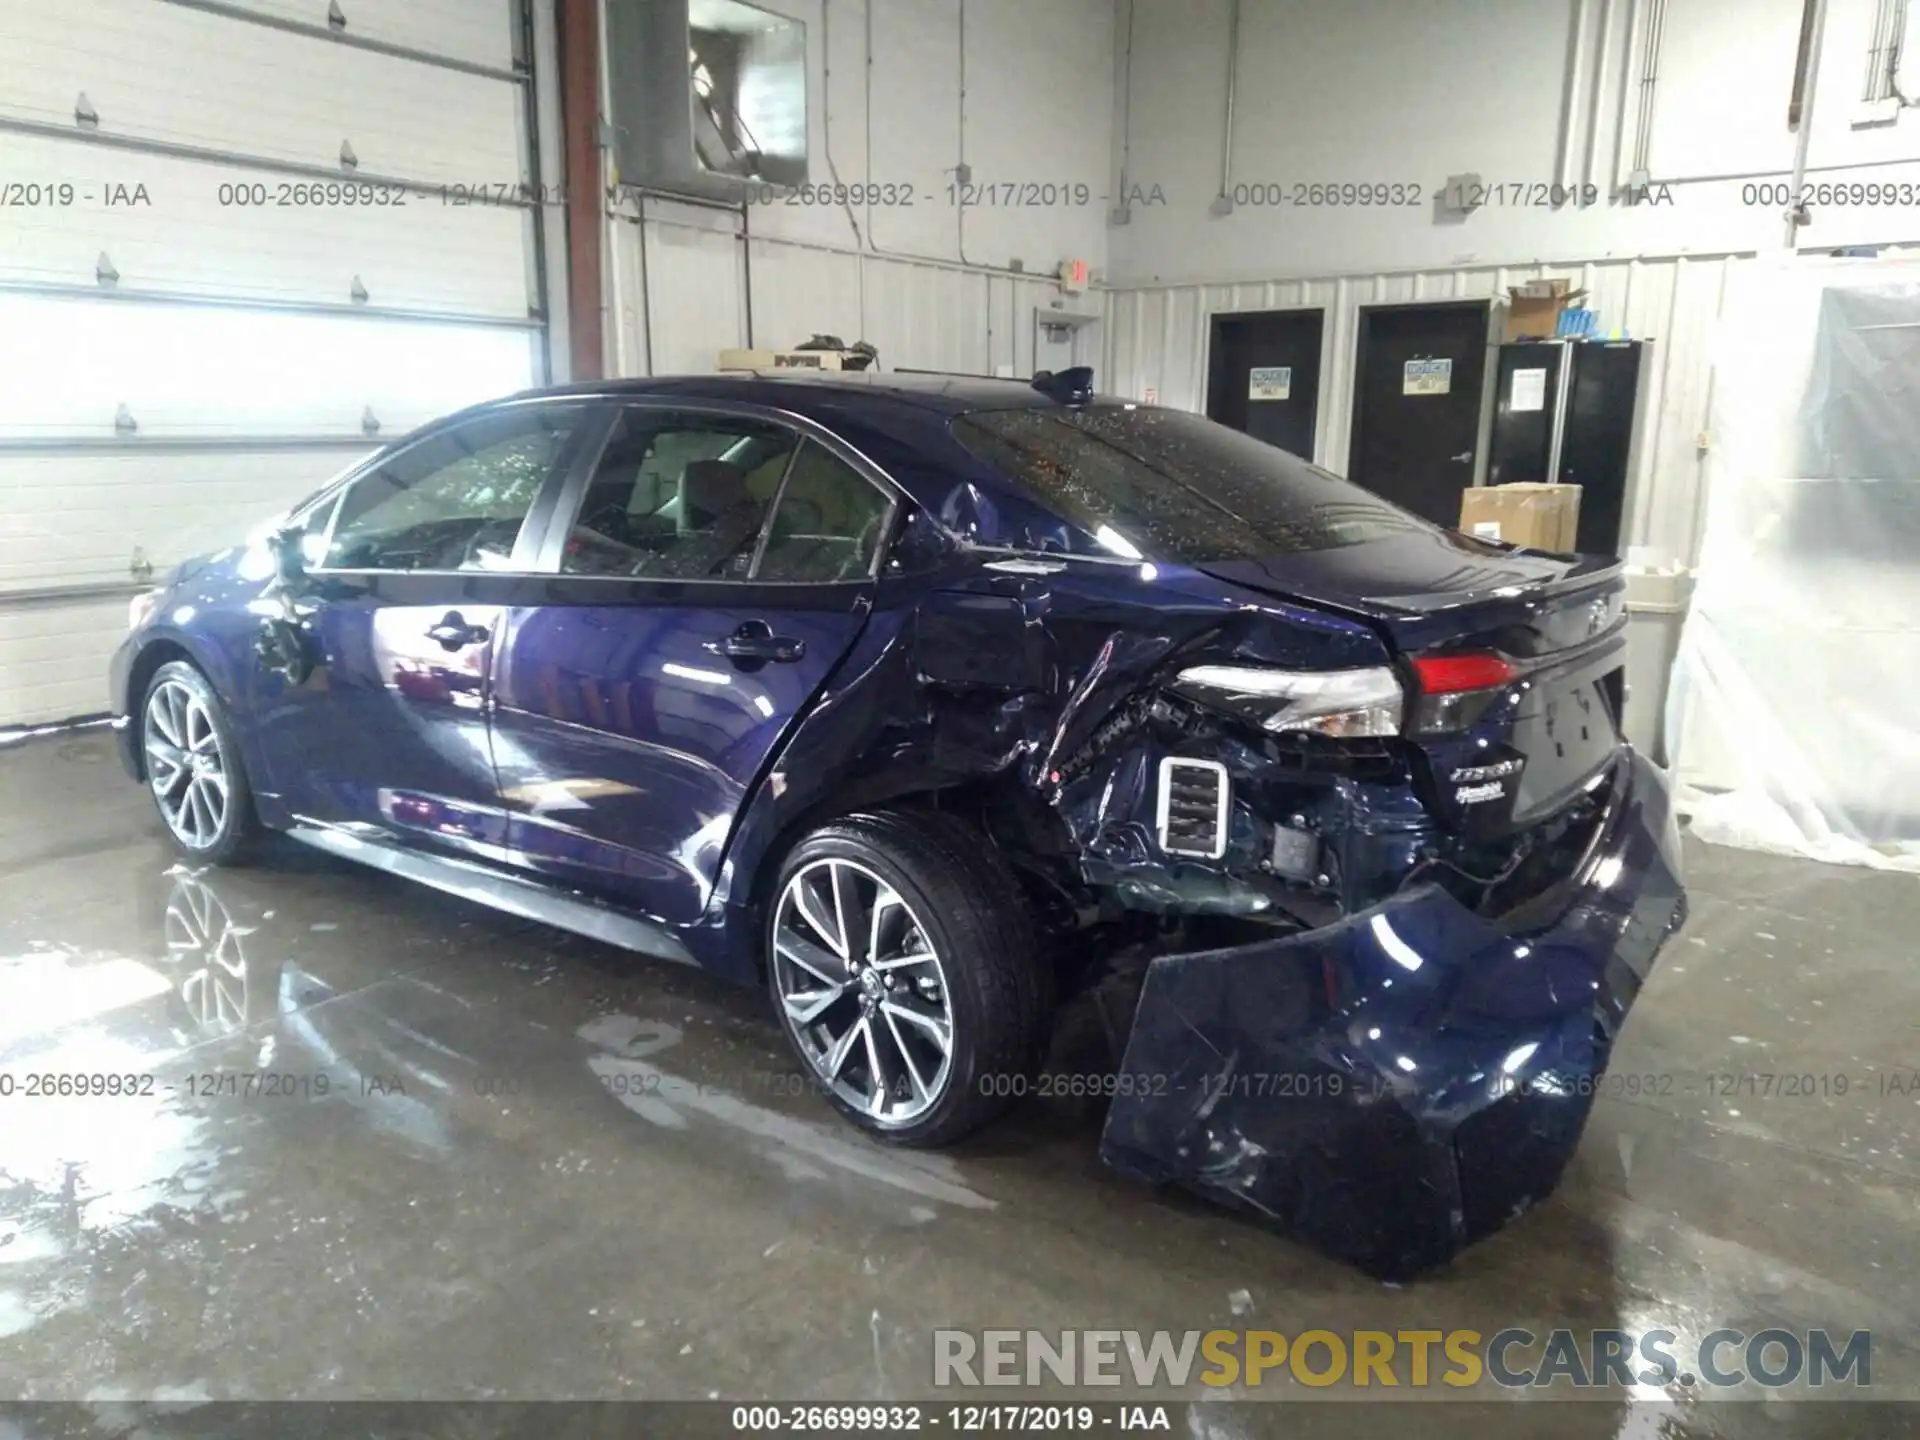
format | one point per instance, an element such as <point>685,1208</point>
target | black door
<point>1263,376</point>
<point>1416,404</point>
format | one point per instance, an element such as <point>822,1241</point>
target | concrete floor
<point>413,1235</point>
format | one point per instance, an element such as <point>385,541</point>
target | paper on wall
<point>1529,390</point>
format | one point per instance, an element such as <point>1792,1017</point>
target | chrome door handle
<point>755,640</point>
<point>1463,457</point>
<point>454,633</point>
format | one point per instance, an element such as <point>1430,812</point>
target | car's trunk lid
<point>1558,619</point>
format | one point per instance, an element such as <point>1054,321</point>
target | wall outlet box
<point>1461,194</point>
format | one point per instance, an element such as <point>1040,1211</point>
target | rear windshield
<point>1168,484</point>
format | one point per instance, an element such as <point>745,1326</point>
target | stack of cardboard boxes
<point>1541,517</point>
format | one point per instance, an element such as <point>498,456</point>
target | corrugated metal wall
<point>682,294</point>
<point>1157,337</point>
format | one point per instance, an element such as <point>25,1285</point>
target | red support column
<point>578,22</point>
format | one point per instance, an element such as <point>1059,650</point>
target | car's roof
<point>800,390</point>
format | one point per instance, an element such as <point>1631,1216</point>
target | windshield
<point>1168,484</point>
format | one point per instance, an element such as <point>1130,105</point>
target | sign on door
<point>1270,382</point>
<point>1427,377</point>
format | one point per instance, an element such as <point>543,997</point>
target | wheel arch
<point>1007,814</point>
<point>159,651</point>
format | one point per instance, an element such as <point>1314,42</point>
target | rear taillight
<point>1457,690</point>
<point>1447,674</point>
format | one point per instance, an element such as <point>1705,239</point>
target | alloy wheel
<point>863,990</point>
<point>186,765</point>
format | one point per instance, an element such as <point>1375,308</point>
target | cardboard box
<point>1542,517</point>
<point>1533,309</point>
<point>778,360</point>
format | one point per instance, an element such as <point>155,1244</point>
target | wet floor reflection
<point>381,1143</point>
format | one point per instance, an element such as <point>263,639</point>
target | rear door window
<point>679,496</point>
<point>1148,482</point>
<point>829,524</point>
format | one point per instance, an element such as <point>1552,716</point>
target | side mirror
<point>289,556</point>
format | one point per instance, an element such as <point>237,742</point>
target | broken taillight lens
<point>1457,690</point>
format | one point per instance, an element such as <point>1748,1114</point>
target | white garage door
<point>241,243</point>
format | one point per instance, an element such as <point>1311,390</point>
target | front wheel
<point>904,965</point>
<point>193,766</point>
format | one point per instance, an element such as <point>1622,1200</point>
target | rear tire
<point>899,945</point>
<point>194,771</point>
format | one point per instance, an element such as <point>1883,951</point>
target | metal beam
<point>548,160</point>
<point>579,26</point>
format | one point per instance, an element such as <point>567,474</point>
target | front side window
<point>1166,484</point>
<point>678,497</point>
<point>456,500</point>
<point>828,525</point>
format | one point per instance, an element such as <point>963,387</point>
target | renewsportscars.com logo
<point>1513,1358</point>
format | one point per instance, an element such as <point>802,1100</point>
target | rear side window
<point>678,497</point>
<point>1167,484</point>
<point>828,525</point>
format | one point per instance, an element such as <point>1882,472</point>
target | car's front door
<point>403,607</point>
<point>714,570</point>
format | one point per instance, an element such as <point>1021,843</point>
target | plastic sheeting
<point>1796,690</point>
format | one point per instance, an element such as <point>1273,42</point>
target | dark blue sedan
<point>920,700</point>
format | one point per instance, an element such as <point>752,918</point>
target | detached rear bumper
<point>1402,1083</point>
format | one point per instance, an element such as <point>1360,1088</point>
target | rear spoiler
<point>1591,572</point>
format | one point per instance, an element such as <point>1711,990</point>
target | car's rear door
<point>383,721</point>
<point>712,568</point>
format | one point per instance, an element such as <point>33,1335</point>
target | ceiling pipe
<point>1590,159</point>
<point>1813,24</point>
<point>1223,202</point>
<point>1649,84</point>
<point>1119,213</point>
<point>1570,97</point>
<point>1879,62</point>
<point>1617,175</point>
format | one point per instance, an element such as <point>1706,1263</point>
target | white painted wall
<point>1157,339</point>
<point>932,284</point>
<point>1518,91</point>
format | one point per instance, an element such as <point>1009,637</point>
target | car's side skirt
<point>487,886</point>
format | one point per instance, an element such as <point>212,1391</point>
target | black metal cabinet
<point>1568,411</point>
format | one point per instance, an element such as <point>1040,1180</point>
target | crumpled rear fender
<point>1405,1081</point>
<point>983,677</point>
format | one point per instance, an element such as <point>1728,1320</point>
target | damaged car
<point>917,699</point>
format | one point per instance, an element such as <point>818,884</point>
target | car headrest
<point>709,488</point>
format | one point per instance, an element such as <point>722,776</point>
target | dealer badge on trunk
<point>1477,784</point>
